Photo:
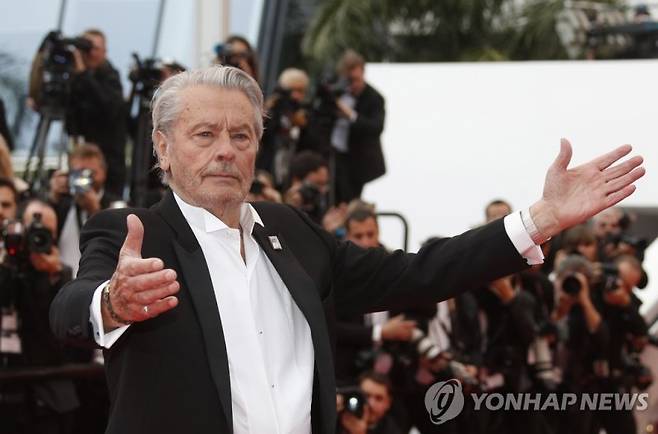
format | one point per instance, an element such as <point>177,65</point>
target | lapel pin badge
<point>276,244</point>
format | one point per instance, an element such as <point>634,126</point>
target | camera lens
<point>571,285</point>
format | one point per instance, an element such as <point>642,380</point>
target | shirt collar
<point>204,220</point>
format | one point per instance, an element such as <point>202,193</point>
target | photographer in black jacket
<point>284,125</point>
<point>628,333</point>
<point>97,109</point>
<point>31,277</point>
<point>582,354</point>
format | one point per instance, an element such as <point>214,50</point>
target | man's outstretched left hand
<point>571,196</point>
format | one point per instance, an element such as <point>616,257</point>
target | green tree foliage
<point>437,30</point>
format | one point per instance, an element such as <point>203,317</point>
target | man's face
<point>211,150</point>
<point>629,274</point>
<point>364,234</point>
<point>48,216</point>
<point>96,56</point>
<point>589,250</point>
<point>496,211</point>
<point>357,80</point>
<point>319,178</point>
<point>298,91</point>
<point>607,223</point>
<point>95,165</point>
<point>7,204</point>
<point>379,400</point>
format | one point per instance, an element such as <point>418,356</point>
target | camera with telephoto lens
<point>571,285</point>
<point>354,400</point>
<point>314,202</point>
<point>20,241</point>
<point>81,181</point>
<point>58,66</point>
<point>437,358</point>
<point>330,88</point>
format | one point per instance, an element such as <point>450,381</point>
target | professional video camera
<point>147,74</point>
<point>20,241</point>
<point>51,86</point>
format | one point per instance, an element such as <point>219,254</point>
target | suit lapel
<point>197,280</point>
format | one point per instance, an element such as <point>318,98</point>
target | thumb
<point>564,157</point>
<point>132,245</point>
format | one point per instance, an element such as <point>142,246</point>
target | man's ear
<point>162,150</point>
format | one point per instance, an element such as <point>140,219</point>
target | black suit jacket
<point>170,374</point>
<point>365,147</point>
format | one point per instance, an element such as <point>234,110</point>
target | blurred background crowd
<point>570,325</point>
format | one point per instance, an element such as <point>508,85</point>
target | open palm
<point>571,196</point>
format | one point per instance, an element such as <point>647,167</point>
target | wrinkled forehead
<point>216,106</point>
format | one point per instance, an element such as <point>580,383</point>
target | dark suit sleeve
<point>353,333</point>
<point>374,280</point>
<point>100,242</point>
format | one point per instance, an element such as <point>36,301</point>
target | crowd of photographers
<point>569,325</point>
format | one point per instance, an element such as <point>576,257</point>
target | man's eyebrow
<point>204,124</point>
<point>241,126</point>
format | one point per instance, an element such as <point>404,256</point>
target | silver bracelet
<point>537,237</point>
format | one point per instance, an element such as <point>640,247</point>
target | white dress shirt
<point>341,131</point>
<point>268,340</point>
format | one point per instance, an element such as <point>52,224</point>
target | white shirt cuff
<point>377,333</point>
<point>105,340</point>
<point>519,236</point>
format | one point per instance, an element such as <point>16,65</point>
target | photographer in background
<point>628,336</point>
<point>376,419</point>
<point>582,352</point>
<point>345,124</point>
<point>31,276</point>
<point>357,336</point>
<point>355,137</point>
<point>237,51</point>
<point>309,177</point>
<point>284,125</point>
<point>78,195</point>
<point>97,110</point>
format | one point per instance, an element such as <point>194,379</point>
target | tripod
<point>37,178</point>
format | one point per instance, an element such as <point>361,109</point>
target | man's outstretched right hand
<point>140,288</point>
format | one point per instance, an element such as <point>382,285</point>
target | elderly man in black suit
<point>216,315</point>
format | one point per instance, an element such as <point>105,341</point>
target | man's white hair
<point>166,107</point>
